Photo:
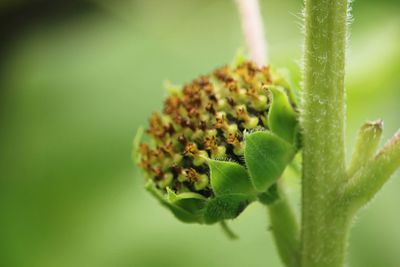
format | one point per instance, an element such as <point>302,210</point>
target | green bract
<point>229,178</point>
<point>222,142</point>
<point>266,158</point>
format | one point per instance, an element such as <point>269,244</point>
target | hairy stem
<point>324,222</point>
<point>285,230</point>
<point>253,30</point>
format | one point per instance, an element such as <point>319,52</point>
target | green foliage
<point>226,207</point>
<point>229,177</point>
<point>282,119</point>
<point>266,157</point>
<point>191,202</point>
<point>184,208</point>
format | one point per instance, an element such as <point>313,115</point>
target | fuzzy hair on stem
<point>325,223</point>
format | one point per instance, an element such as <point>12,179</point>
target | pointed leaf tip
<point>186,207</point>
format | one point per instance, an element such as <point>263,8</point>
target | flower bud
<point>209,120</point>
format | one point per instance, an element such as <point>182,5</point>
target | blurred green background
<point>77,78</point>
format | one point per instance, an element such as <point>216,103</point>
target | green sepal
<point>282,119</point>
<point>226,207</point>
<point>229,178</point>
<point>191,202</point>
<point>181,206</point>
<point>266,157</point>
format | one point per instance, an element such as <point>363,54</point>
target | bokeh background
<point>77,78</point>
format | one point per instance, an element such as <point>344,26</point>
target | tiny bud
<point>237,145</point>
<point>166,180</point>
<point>220,121</point>
<point>249,122</point>
<point>201,183</point>
<point>199,156</point>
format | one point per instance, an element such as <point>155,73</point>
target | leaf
<point>266,157</point>
<point>191,202</point>
<point>282,119</point>
<point>225,207</point>
<point>229,177</point>
<point>179,210</point>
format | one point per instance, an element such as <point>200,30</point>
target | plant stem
<point>325,223</point>
<point>253,30</point>
<point>285,230</point>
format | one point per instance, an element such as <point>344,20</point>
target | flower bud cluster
<point>206,119</point>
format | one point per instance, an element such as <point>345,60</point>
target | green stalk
<point>325,222</point>
<point>285,230</point>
